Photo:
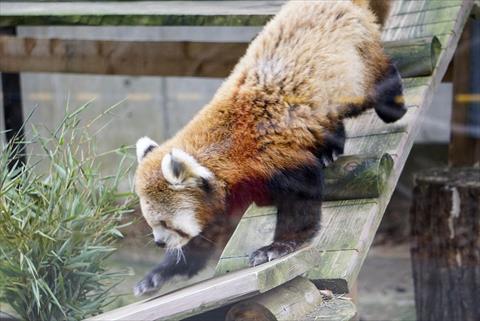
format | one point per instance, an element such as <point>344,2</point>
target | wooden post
<point>291,301</point>
<point>12,107</point>
<point>445,244</point>
<point>464,148</point>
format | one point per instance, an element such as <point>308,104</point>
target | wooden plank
<point>337,270</point>
<point>145,13</point>
<point>218,291</point>
<point>376,144</point>
<point>464,147</point>
<point>419,31</point>
<point>423,17</point>
<point>413,6</point>
<point>336,309</point>
<point>290,301</point>
<point>370,124</point>
<point>200,59</point>
<point>332,237</point>
<point>414,58</point>
<point>357,177</point>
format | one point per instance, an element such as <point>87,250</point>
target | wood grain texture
<point>145,13</point>
<point>445,239</point>
<point>417,18</point>
<point>290,301</point>
<point>341,230</point>
<point>197,59</point>
<point>194,59</point>
<point>414,58</point>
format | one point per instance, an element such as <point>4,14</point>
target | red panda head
<point>178,196</point>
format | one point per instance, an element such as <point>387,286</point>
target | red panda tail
<point>380,8</point>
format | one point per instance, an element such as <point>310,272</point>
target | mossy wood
<point>146,13</point>
<point>290,301</point>
<point>356,219</point>
<point>183,13</point>
<point>414,57</point>
<point>349,177</point>
<point>198,59</point>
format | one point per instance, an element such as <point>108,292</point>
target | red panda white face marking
<point>144,146</point>
<point>171,228</point>
<point>176,193</point>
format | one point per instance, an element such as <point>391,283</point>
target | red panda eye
<point>163,224</point>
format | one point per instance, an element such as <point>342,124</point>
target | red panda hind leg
<point>297,193</point>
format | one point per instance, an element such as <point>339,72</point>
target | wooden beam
<point>12,107</point>
<point>416,57</point>
<point>464,148</point>
<point>290,301</point>
<point>357,177</point>
<point>119,57</point>
<point>197,59</point>
<point>141,13</point>
<point>218,291</point>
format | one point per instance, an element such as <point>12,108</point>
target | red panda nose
<point>160,244</point>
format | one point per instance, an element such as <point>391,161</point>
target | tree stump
<point>445,244</point>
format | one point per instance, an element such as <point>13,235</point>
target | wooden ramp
<point>333,260</point>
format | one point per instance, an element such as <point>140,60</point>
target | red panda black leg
<point>333,145</point>
<point>187,262</point>
<point>297,222</point>
<point>297,193</point>
<point>388,96</point>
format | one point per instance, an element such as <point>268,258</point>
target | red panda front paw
<point>270,252</point>
<point>151,283</point>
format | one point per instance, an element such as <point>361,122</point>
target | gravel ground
<point>385,285</point>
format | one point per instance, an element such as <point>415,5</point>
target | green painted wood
<point>370,124</point>
<point>356,177</point>
<point>337,270</point>
<point>290,301</point>
<point>339,232</point>
<point>442,29</point>
<point>416,57</point>
<point>412,6</point>
<point>423,17</point>
<point>148,13</point>
<point>374,144</point>
<point>336,309</point>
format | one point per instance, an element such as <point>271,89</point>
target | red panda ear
<point>144,146</point>
<point>181,169</point>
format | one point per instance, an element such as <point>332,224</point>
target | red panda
<point>267,134</point>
